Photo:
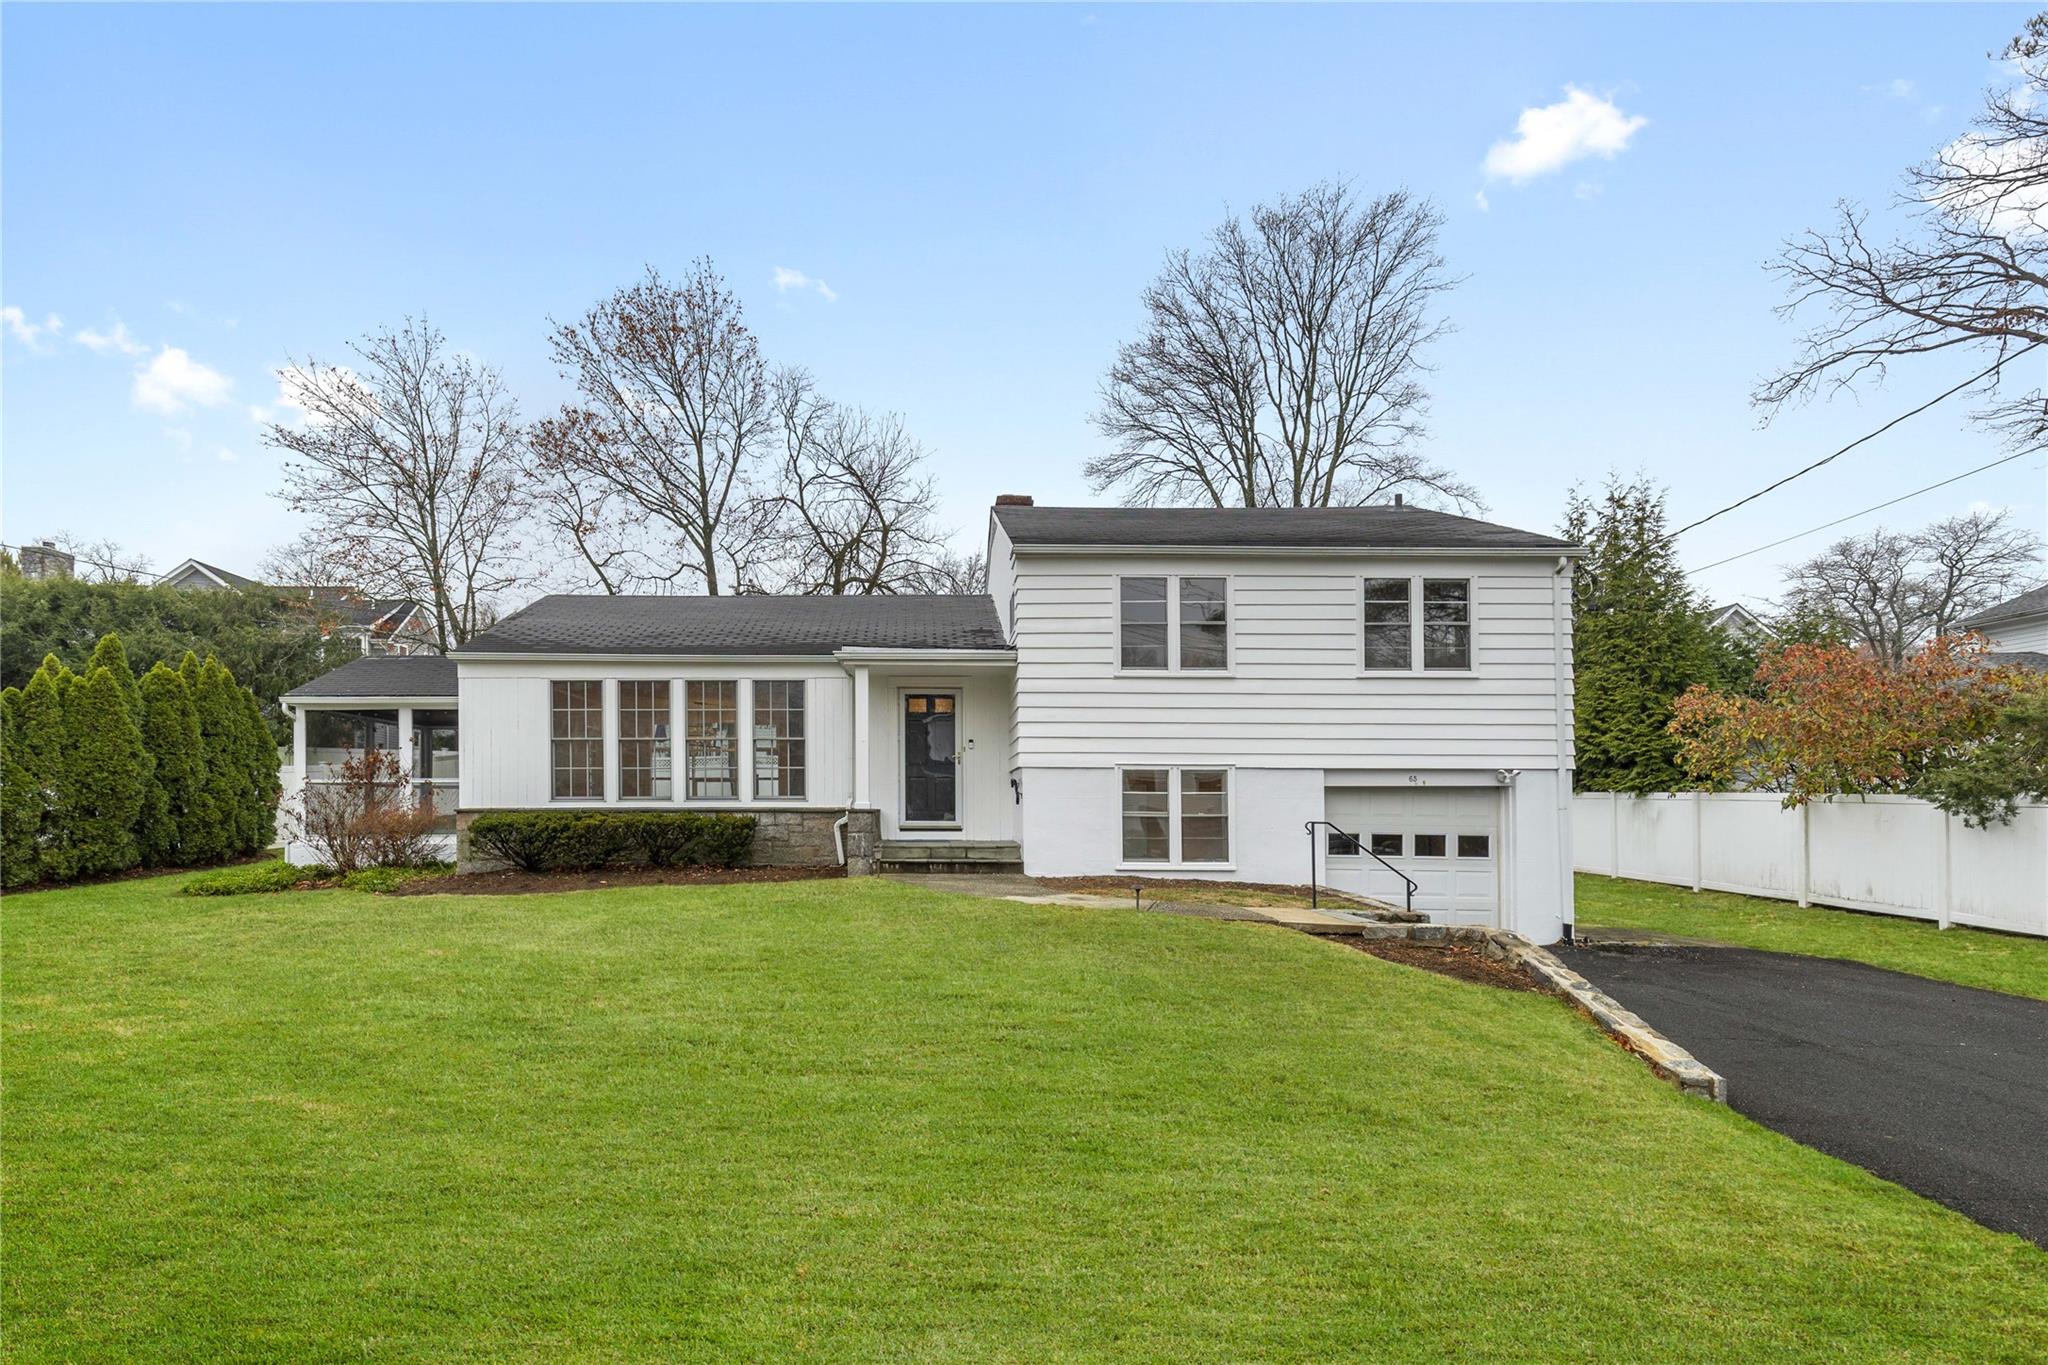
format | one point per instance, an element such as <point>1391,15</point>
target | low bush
<point>581,841</point>
<point>391,878</point>
<point>250,879</point>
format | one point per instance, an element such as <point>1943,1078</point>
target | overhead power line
<point>2008,459</point>
<point>1992,369</point>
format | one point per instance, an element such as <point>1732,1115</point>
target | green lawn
<point>1968,957</point>
<point>856,1120</point>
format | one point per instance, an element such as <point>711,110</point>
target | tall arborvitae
<point>224,746</point>
<point>265,773</point>
<point>40,749</point>
<point>105,759</point>
<point>175,809</point>
<point>1640,637</point>
<point>21,801</point>
<point>112,655</point>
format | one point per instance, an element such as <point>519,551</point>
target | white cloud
<point>116,338</point>
<point>226,456</point>
<point>1552,136</point>
<point>1479,198</point>
<point>26,332</point>
<point>297,387</point>
<point>2019,211</point>
<point>787,279</point>
<point>174,381</point>
<point>1901,88</point>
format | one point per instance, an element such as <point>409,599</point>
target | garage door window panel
<point>1475,846</point>
<point>1430,846</point>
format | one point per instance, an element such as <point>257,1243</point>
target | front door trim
<point>903,820</point>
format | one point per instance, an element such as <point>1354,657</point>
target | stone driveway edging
<point>1660,1054</point>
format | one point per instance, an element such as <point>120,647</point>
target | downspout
<point>839,838</point>
<point>1561,673</point>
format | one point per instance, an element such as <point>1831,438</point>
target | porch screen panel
<point>577,749</point>
<point>779,740</point>
<point>644,766</point>
<point>711,740</point>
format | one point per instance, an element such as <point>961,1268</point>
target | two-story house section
<point>1143,692</point>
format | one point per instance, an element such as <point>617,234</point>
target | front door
<point>931,758</point>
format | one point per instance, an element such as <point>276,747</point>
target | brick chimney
<point>1013,500</point>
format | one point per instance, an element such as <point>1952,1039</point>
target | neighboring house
<point>1143,692</point>
<point>1740,624</point>
<point>2017,629</point>
<point>379,625</point>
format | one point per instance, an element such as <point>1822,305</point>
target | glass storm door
<point>931,759</point>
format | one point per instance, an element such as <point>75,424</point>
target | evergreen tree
<point>21,801</point>
<point>40,749</point>
<point>1641,636</point>
<point>220,747</point>
<point>264,770</point>
<point>104,759</point>
<point>175,811</point>
<point>111,655</point>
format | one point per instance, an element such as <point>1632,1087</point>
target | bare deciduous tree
<point>672,421</point>
<point>408,464</point>
<point>103,561</point>
<point>854,509</point>
<point>1890,590</point>
<point>1281,366</point>
<point>1970,278</point>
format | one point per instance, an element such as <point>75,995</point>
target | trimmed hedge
<point>582,841</point>
<point>273,874</point>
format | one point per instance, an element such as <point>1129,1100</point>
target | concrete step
<point>949,855</point>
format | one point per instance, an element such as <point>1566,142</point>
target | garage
<point>1447,839</point>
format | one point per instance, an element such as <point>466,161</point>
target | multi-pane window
<point>1204,815</point>
<point>711,722</point>
<point>577,748</point>
<point>1204,623</point>
<point>1176,815</point>
<point>1198,610</point>
<point>644,761</point>
<point>1143,617</point>
<point>335,737</point>
<point>1387,637</point>
<point>1148,816</point>
<point>1446,623</point>
<point>779,740</point>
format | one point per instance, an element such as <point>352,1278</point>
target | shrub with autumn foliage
<point>1827,721</point>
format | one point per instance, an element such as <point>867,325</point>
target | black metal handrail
<point>1356,847</point>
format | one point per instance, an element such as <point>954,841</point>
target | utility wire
<point>1865,512</point>
<point>1992,369</point>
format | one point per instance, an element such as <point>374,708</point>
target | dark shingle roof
<point>2026,604</point>
<point>1362,528</point>
<point>384,675</point>
<point>741,625</point>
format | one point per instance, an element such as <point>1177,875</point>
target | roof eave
<point>1317,551</point>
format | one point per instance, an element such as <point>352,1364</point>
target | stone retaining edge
<point>1660,1054</point>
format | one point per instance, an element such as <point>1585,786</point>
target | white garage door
<point>1446,838</point>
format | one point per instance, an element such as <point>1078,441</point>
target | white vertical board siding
<point>1294,695</point>
<point>1888,854</point>
<point>506,725</point>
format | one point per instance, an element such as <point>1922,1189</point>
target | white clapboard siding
<point>1294,696</point>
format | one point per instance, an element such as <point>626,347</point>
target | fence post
<point>1943,907</point>
<point>1805,854</point>
<point>1698,872</point>
<point>1614,834</point>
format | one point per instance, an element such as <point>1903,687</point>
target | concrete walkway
<point>1013,887</point>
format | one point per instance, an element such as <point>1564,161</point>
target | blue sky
<point>984,192</point>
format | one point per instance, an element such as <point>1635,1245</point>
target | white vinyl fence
<point>1893,854</point>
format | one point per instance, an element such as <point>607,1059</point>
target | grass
<point>1968,957</point>
<point>850,1120</point>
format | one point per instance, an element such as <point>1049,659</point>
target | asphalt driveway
<point>1941,1088</point>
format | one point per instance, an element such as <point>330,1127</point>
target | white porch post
<point>299,747</point>
<point>861,793</point>
<point>405,741</point>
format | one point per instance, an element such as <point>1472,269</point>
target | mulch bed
<point>1458,960</point>
<point>531,883</point>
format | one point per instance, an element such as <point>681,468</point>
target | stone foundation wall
<point>782,838</point>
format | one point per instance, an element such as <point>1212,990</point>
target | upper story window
<point>1167,622</point>
<point>711,740</point>
<point>1389,610</point>
<point>644,762</point>
<point>779,740</point>
<point>576,752</point>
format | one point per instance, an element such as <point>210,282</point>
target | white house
<point>2017,629</point>
<point>1143,692</point>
